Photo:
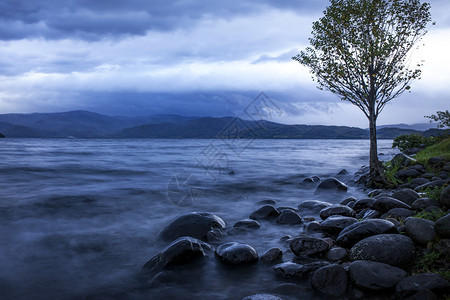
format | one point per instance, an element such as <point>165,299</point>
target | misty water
<point>78,217</point>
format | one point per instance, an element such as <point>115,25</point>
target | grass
<point>432,262</point>
<point>434,192</point>
<point>441,149</point>
<point>390,171</point>
<point>434,215</point>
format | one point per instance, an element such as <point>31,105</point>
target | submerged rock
<point>272,255</point>
<point>196,225</point>
<point>294,270</point>
<point>313,205</point>
<point>236,254</point>
<point>332,185</point>
<point>262,297</point>
<point>288,216</point>
<point>265,212</point>
<point>247,224</point>
<point>400,254</point>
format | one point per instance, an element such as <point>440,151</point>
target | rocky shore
<point>383,246</point>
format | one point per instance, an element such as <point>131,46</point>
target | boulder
<point>272,255</point>
<point>313,226</point>
<point>375,275</point>
<point>399,213</point>
<point>214,235</point>
<point>331,185</point>
<point>361,230</point>
<point>236,254</point>
<point>288,216</point>
<point>415,283</point>
<point>294,270</point>
<point>247,224</point>
<point>421,231</point>
<point>402,160</point>
<point>335,224</point>
<point>337,209</point>
<point>363,204</point>
<point>384,204</point>
<point>400,254</point>
<point>337,254</point>
<point>312,179</point>
<point>196,225</point>
<point>346,201</point>
<point>423,295</point>
<point>313,205</point>
<point>432,184</point>
<point>308,246</point>
<point>369,214</point>
<point>330,280</point>
<point>443,246</point>
<point>265,212</point>
<point>435,161</point>
<point>2,135</point>
<point>179,252</point>
<point>407,196</point>
<point>445,197</point>
<point>262,297</point>
<point>417,181</point>
<point>423,203</point>
<point>407,173</point>
<point>442,226</point>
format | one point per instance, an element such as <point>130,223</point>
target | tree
<point>442,117</point>
<point>360,50</point>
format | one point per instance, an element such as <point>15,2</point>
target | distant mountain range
<point>84,124</point>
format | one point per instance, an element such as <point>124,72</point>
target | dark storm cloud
<point>96,19</point>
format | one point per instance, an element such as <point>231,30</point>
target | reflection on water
<point>78,217</point>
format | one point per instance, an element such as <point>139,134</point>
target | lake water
<point>78,217</point>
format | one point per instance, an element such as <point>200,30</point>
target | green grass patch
<point>390,171</point>
<point>434,192</point>
<point>434,215</point>
<point>441,149</point>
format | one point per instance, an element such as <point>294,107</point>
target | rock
<point>394,221</point>
<point>288,216</point>
<point>375,275</point>
<point>399,213</point>
<point>402,160</point>
<point>432,184</point>
<point>337,254</point>
<point>294,270</point>
<point>262,297</point>
<point>308,246</point>
<point>407,173</point>
<point>330,280</point>
<point>370,214</point>
<point>2,135</point>
<point>443,174</point>
<point>331,185</point>
<point>247,224</point>
<point>418,181</point>
<point>419,168</point>
<point>348,200</point>
<point>361,230</point>
<point>375,192</point>
<point>267,202</point>
<point>446,167</point>
<point>427,281</point>
<point>236,254</point>
<point>423,203</point>
<point>423,295</point>
<point>412,151</point>
<point>272,255</point>
<point>192,224</point>
<point>264,212</point>
<point>313,226</point>
<point>363,204</point>
<point>342,172</point>
<point>445,197</point>
<point>384,204</point>
<point>427,175</point>
<point>421,231</point>
<point>289,289</point>
<point>312,179</point>
<point>400,254</point>
<point>435,161</point>
<point>214,235</point>
<point>407,196</point>
<point>442,226</point>
<point>443,246</point>
<point>335,224</point>
<point>340,210</point>
<point>179,252</point>
<point>313,205</point>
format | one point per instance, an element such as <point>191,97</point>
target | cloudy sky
<point>188,57</point>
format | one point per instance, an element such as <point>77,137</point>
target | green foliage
<point>442,117</point>
<point>441,149</point>
<point>434,192</point>
<point>408,141</point>
<point>434,215</point>
<point>426,262</point>
<point>390,171</point>
<point>432,262</point>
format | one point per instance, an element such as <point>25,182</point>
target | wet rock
<point>332,185</point>
<point>288,216</point>
<point>442,226</point>
<point>423,203</point>
<point>179,252</point>
<point>192,224</point>
<point>264,212</point>
<point>337,254</point>
<point>400,254</point>
<point>427,175</point>
<point>340,210</point>
<point>236,254</point>
<point>402,160</point>
<point>335,224</point>
<point>419,168</point>
<point>418,181</point>
<point>375,275</point>
<point>423,295</point>
<point>267,202</point>
<point>370,214</point>
<point>313,226</point>
<point>407,196</point>
<point>427,281</point>
<point>346,201</point>
<point>394,221</point>
<point>363,204</point>
<point>421,231</point>
<point>312,179</point>
<point>432,184</point>
<point>262,297</point>
<point>445,197</point>
<point>399,213</point>
<point>374,193</point>
<point>435,161</point>
<point>290,270</point>
<point>330,280</point>
<point>443,246</point>
<point>289,289</point>
<point>214,235</point>
<point>342,172</point>
<point>272,256</point>
<point>361,230</point>
<point>308,246</point>
<point>407,173</point>
<point>313,205</point>
<point>384,204</point>
<point>247,223</point>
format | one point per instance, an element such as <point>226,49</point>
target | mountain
<point>85,124</point>
<point>418,126</point>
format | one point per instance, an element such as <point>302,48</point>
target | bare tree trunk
<point>374,163</point>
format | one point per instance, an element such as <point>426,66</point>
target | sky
<point>189,57</point>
